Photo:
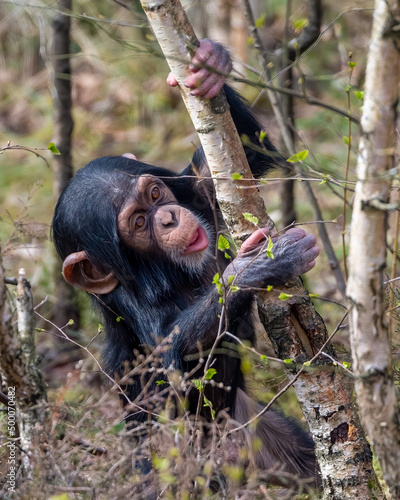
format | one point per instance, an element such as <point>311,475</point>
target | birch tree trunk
<point>295,328</point>
<point>376,393</point>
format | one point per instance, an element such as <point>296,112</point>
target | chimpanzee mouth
<point>198,243</point>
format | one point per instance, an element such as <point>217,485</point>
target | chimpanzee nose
<point>167,217</point>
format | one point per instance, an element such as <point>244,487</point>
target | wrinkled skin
<point>210,65</point>
<point>294,254</point>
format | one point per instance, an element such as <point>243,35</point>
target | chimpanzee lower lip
<point>199,243</point>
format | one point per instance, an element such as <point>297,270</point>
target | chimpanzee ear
<point>81,273</point>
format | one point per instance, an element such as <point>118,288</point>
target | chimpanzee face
<point>151,218</point>
<point>151,222</point>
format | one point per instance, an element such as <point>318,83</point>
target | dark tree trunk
<point>66,297</point>
<point>291,52</point>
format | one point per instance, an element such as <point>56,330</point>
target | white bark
<point>376,394</point>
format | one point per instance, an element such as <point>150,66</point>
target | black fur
<point>154,296</point>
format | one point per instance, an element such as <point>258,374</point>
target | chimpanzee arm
<point>261,154</point>
<point>210,66</point>
<point>198,324</point>
<point>294,254</point>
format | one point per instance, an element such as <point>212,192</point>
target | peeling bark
<point>376,393</point>
<point>296,330</point>
<point>18,370</point>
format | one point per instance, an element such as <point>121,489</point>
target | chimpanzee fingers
<point>212,85</point>
<point>171,80</point>
<point>215,88</point>
<point>203,53</point>
<point>253,241</point>
<point>307,242</point>
<point>200,75</point>
<point>294,234</point>
<point>195,80</point>
<point>214,80</point>
<point>220,62</point>
<point>311,254</point>
<point>308,266</point>
<point>298,239</point>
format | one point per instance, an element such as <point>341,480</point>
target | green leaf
<point>359,94</point>
<point>351,64</point>
<point>207,403</point>
<point>288,361</point>
<point>218,284</point>
<point>215,280</point>
<point>40,330</point>
<point>236,176</point>
<point>263,135</point>
<point>231,278</point>
<point>210,373</point>
<point>302,155</point>
<point>264,358</point>
<point>250,40</point>
<point>53,148</point>
<point>235,289</point>
<point>346,364</point>
<point>250,217</point>
<point>223,243</point>
<point>269,288</point>
<point>346,140</point>
<point>307,363</point>
<point>198,384</point>
<point>347,88</point>
<point>161,382</point>
<point>284,296</point>
<point>245,139</point>
<point>70,322</point>
<point>117,428</point>
<point>292,159</point>
<point>227,256</point>
<point>313,295</point>
<point>119,318</point>
<point>260,21</point>
<point>269,253</point>
<point>300,24</point>
<point>160,463</point>
<point>221,300</point>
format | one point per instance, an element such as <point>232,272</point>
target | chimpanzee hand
<point>294,254</point>
<point>204,82</point>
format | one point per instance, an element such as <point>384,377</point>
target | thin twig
<point>26,148</point>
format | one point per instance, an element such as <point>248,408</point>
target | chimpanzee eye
<point>155,193</point>
<point>140,221</point>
